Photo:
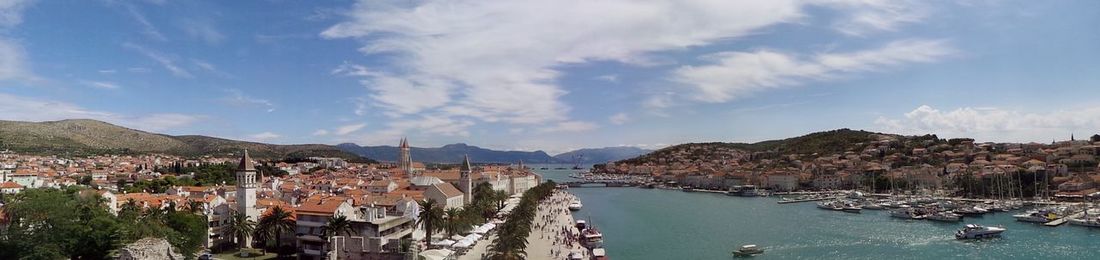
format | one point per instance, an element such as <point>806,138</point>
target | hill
<point>85,137</point>
<point>451,153</point>
<point>827,142</point>
<point>601,155</point>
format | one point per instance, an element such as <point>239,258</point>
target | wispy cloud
<point>24,108</point>
<point>100,84</point>
<point>236,97</point>
<point>165,61</point>
<point>609,78</point>
<point>11,12</point>
<point>209,67</point>
<point>347,129</point>
<point>868,16</point>
<point>149,29</point>
<point>107,71</point>
<point>995,123</point>
<point>320,132</point>
<point>474,58</point>
<point>203,30</point>
<point>569,126</point>
<point>732,75</point>
<point>263,137</point>
<point>13,63</point>
<point>618,119</point>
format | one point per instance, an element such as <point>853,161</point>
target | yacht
<point>945,216</point>
<point>829,205</point>
<point>873,206</point>
<point>974,231</point>
<point>1036,216</point>
<point>749,191</point>
<point>971,211</point>
<point>591,238</point>
<point>575,206</point>
<point>599,254</point>
<point>906,213</point>
<point>850,207</point>
<point>581,224</point>
<point>1090,219</point>
<point>748,250</point>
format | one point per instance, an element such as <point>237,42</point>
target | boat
<point>829,205</point>
<point>544,168</point>
<point>945,216</point>
<point>581,224</point>
<point>599,254</point>
<point>748,250</point>
<point>1091,218</point>
<point>971,211</point>
<point>575,206</point>
<point>687,189</point>
<point>975,231</point>
<point>851,208</point>
<point>749,191</point>
<point>591,238</point>
<point>906,213</point>
<point>1037,216</point>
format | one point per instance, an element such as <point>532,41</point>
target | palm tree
<point>455,221</point>
<point>275,223</point>
<point>340,225</point>
<point>430,215</point>
<point>240,227</point>
<point>195,206</point>
<point>500,197</point>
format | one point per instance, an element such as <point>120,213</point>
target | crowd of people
<point>554,224</point>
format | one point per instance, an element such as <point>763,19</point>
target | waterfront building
<point>446,195</point>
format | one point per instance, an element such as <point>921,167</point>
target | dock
<point>1059,222</point>
<point>803,200</point>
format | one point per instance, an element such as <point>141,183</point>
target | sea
<point>671,224</point>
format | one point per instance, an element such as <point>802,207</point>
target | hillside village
<point>1060,169</point>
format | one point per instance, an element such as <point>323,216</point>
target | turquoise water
<point>670,224</point>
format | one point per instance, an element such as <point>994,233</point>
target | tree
<point>455,221</point>
<point>430,215</point>
<point>339,225</point>
<point>240,227</point>
<point>274,224</point>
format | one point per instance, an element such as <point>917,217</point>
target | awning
<point>445,242</point>
<point>435,254</point>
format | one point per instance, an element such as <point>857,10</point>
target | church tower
<point>464,180</point>
<point>406,158</point>
<point>246,190</point>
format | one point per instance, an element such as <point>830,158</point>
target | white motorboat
<point>748,250</point>
<point>906,213</point>
<point>1091,218</point>
<point>945,216</point>
<point>1036,216</point>
<point>575,206</point>
<point>975,231</point>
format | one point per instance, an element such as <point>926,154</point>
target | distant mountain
<point>451,153</point>
<point>601,155</point>
<point>85,137</point>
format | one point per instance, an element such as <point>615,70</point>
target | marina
<point>660,224</point>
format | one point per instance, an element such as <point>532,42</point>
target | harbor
<point>660,224</point>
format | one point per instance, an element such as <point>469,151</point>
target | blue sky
<point>555,74</point>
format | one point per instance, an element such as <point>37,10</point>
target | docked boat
<point>873,206</point>
<point>591,238</point>
<point>907,213</point>
<point>687,189</point>
<point>575,206</point>
<point>971,211</point>
<point>747,250</point>
<point>829,205</point>
<point>599,254</point>
<point>975,231</point>
<point>850,208</point>
<point>945,216</point>
<point>1037,216</point>
<point>1091,218</point>
<point>581,224</point>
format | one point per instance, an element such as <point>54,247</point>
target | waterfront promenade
<point>554,235</point>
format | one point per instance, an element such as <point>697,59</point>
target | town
<point>339,210</point>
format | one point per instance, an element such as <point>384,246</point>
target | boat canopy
<point>599,252</point>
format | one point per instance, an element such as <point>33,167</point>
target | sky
<point>555,75</point>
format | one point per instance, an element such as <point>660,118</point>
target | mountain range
<point>87,137</point>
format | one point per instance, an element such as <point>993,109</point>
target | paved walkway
<point>554,234</point>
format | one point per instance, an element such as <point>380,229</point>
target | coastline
<point>554,234</point>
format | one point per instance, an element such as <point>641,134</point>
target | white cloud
<point>11,12</point>
<point>150,30</point>
<point>203,30</point>
<point>609,78</point>
<point>347,129</point>
<point>497,60</point>
<point>569,126</point>
<point>874,15</point>
<point>320,132</point>
<point>108,71</point>
<point>263,137</point>
<point>12,62</point>
<point>167,62</point>
<point>22,108</point>
<point>100,84</point>
<point>236,97</point>
<point>138,70</point>
<point>618,119</point>
<point>732,75</point>
<point>995,124</point>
